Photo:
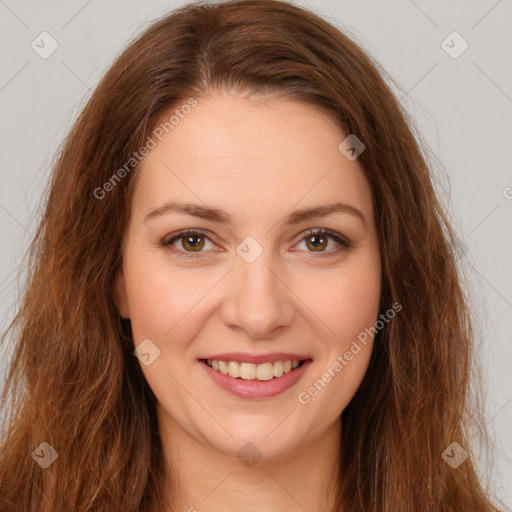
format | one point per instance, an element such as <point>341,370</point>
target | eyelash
<point>345,243</point>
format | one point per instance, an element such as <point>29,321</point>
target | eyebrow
<point>220,216</point>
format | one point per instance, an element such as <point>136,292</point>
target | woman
<point>182,345</point>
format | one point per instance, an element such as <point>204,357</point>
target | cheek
<point>347,306</point>
<point>357,301</point>
<point>345,301</point>
<point>159,297</point>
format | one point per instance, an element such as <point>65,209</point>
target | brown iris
<point>192,246</point>
<point>316,246</point>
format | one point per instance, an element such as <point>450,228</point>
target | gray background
<point>461,106</point>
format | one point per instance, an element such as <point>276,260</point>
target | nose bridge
<point>257,299</point>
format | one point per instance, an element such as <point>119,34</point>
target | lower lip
<point>256,389</point>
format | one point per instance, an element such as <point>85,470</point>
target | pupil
<point>190,244</point>
<point>318,243</point>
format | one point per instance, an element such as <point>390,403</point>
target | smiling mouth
<point>254,372</point>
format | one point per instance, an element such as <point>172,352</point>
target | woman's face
<point>250,285</point>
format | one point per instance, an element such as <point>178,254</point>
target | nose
<point>257,298</point>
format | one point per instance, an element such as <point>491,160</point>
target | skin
<point>258,161</point>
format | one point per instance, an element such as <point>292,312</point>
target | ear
<point>120,295</point>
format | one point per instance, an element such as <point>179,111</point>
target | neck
<point>204,478</point>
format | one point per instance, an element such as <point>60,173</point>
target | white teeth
<point>250,371</point>
<point>278,368</point>
<point>234,369</point>
<point>265,371</point>
<point>247,371</point>
<point>223,367</point>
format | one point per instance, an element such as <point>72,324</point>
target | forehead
<point>251,156</point>
<point>228,126</point>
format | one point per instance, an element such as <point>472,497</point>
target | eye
<point>193,241</point>
<point>318,239</point>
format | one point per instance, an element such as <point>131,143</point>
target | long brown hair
<point>74,382</point>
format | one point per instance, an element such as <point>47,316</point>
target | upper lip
<point>243,357</point>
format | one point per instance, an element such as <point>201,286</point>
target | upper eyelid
<point>184,232</point>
